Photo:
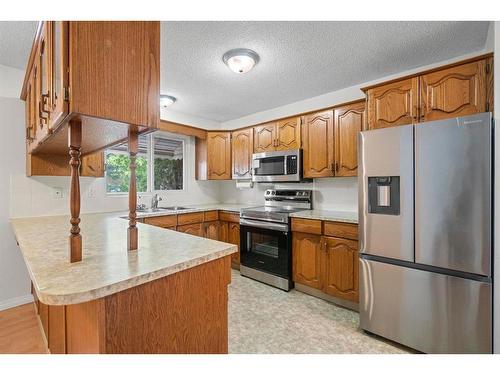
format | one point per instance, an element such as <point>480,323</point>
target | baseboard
<point>319,294</point>
<point>16,301</point>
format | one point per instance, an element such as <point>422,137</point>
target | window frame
<point>150,165</point>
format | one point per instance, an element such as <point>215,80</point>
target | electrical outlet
<point>57,193</point>
<point>91,193</point>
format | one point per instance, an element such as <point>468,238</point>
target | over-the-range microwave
<point>277,166</point>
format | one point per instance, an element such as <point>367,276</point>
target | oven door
<point>266,246</point>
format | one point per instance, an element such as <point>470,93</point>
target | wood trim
<point>31,59</point>
<point>177,128</point>
<point>427,71</point>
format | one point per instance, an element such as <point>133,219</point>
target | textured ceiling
<point>16,39</point>
<point>299,60</point>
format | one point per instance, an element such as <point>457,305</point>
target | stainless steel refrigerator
<point>425,194</point>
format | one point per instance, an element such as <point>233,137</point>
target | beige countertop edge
<point>90,295</point>
<point>338,216</point>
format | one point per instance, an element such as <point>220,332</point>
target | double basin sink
<point>159,209</point>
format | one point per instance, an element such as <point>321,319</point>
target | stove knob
<point>274,192</point>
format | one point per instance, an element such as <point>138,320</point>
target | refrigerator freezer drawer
<point>453,180</point>
<point>430,312</point>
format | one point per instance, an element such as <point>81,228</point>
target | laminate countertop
<point>107,267</point>
<point>329,215</point>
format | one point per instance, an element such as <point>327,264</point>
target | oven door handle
<point>264,225</point>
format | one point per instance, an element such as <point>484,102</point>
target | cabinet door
<point>393,104</point>
<point>224,231</point>
<point>349,121</point>
<point>193,229</point>
<point>317,136</point>
<point>288,134</point>
<point>307,259</point>
<point>219,155</point>
<point>264,137</point>
<point>453,92</point>
<point>43,89</point>
<point>59,70</point>
<point>93,165</point>
<point>234,238</point>
<point>341,268</point>
<point>30,111</point>
<point>242,149</point>
<point>212,230</point>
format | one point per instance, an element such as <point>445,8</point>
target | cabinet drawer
<point>342,230</point>
<point>306,226</point>
<point>210,216</point>
<point>194,217</point>
<point>162,221</point>
<point>229,216</point>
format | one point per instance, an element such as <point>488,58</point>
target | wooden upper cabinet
<point>307,259</point>
<point>349,121</point>
<point>265,137</point>
<point>219,155</point>
<point>393,104</point>
<point>341,268</point>
<point>453,92</point>
<point>59,71</point>
<point>288,134</point>
<point>242,150</point>
<point>317,144</point>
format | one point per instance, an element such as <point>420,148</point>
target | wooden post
<point>75,144</point>
<point>133,145</point>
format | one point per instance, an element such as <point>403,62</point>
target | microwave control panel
<point>291,164</point>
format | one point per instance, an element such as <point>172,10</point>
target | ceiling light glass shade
<point>167,100</point>
<point>240,60</point>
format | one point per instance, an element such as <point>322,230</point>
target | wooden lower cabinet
<point>193,229</point>
<point>340,274</point>
<point>57,329</point>
<point>234,238</point>
<point>43,311</point>
<point>212,230</point>
<point>327,263</point>
<point>307,259</point>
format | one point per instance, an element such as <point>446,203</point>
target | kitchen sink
<point>174,208</point>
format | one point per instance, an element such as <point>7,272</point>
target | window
<point>168,163</point>
<point>160,165</point>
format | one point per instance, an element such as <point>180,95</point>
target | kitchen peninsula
<point>169,296</point>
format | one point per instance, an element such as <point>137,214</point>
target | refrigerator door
<point>453,170</point>
<point>386,192</point>
<point>430,312</point>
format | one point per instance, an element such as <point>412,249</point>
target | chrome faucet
<point>154,201</point>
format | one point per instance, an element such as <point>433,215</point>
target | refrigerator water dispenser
<point>383,195</point>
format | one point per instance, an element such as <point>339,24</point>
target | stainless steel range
<point>266,238</point>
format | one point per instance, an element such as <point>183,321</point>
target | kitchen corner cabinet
<point>242,150</point>
<point>213,156</point>
<point>75,74</point>
<point>317,145</point>
<point>454,90</point>
<point>278,136</point>
<point>349,121</point>
<point>325,257</point>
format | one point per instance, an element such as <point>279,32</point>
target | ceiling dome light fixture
<point>240,60</point>
<point>167,100</point>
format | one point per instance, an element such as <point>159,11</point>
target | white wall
<point>14,279</point>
